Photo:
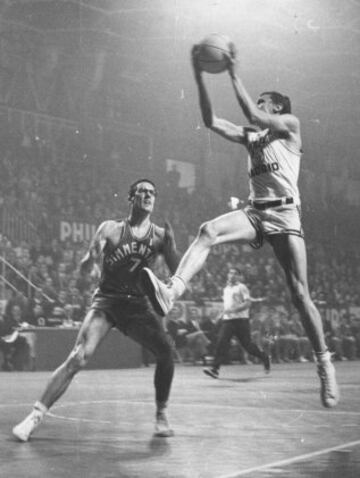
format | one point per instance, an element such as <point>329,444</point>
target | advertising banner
<point>76,231</point>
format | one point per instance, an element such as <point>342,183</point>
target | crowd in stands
<point>46,189</point>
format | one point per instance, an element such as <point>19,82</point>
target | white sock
<point>322,357</point>
<point>161,407</point>
<point>178,286</point>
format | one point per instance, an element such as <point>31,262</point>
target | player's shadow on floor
<point>243,380</point>
<point>159,446</point>
<point>155,447</point>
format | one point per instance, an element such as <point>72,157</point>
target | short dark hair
<point>133,186</point>
<point>279,99</point>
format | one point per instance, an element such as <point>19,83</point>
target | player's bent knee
<point>77,360</point>
<point>207,232</point>
<point>301,300</point>
<point>300,296</point>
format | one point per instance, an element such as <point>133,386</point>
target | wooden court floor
<point>244,424</point>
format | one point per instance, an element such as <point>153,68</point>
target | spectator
<point>190,341</point>
<point>348,339</point>
<point>18,351</point>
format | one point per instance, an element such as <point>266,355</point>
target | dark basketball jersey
<point>121,264</point>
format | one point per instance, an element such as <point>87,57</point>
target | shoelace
<point>35,419</point>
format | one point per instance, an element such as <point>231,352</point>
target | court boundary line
<point>289,461</point>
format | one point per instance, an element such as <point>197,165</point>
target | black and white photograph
<point>179,238</point>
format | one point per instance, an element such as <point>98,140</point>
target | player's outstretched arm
<point>282,124</point>
<point>224,128</point>
<point>257,299</point>
<point>204,99</point>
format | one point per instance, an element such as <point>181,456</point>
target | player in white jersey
<point>273,141</point>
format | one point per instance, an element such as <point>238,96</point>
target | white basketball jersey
<point>273,167</point>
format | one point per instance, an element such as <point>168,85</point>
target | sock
<point>178,286</point>
<point>40,409</point>
<point>161,407</point>
<point>322,357</point>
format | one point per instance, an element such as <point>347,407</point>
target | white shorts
<point>279,220</point>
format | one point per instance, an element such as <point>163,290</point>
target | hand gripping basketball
<point>212,54</point>
<point>232,52</point>
<point>231,59</point>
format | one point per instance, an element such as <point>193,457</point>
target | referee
<point>235,322</point>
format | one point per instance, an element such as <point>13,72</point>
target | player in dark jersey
<point>120,249</point>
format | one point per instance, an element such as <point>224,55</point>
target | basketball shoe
<point>267,363</point>
<point>25,429</point>
<point>211,372</point>
<point>329,391</point>
<point>158,292</point>
<point>162,427</point>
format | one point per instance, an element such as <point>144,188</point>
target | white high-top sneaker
<point>162,427</point>
<point>24,429</point>
<point>329,391</point>
<point>158,292</point>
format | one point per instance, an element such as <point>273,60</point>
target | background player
<point>235,321</point>
<point>273,142</point>
<point>121,248</point>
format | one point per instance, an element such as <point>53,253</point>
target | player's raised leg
<point>234,226</point>
<point>92,331</point>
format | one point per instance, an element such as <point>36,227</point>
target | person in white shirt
<point>235,322</point>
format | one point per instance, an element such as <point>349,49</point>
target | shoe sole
<point>209,374</point>
<point>164,434</point>
<point>19,437</point>
<point>151,291</point>
<point>267,366</point>
<point>330,404</point>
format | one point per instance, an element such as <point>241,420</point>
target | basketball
<point>213,52</point>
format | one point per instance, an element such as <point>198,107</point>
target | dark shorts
<point>135,317</point>
<point>239,327</point>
